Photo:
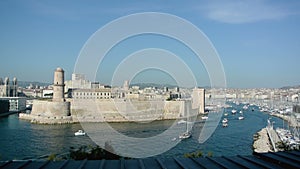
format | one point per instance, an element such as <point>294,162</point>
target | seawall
<point>46,112</point>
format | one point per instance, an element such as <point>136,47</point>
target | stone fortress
<point>52,111</point>
<point>92,102</point>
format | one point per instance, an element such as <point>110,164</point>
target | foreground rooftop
<point>288,159</point>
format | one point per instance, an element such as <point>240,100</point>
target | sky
<point>258,41</point>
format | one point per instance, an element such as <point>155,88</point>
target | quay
<point>273,136</point>
<point>266,139</point>
<point>8,113</point>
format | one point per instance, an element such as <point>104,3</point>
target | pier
<point>266,140</point>
<point>273,137</point>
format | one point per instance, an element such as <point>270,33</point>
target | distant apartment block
<point>91,93</point>
<point>15,103</point>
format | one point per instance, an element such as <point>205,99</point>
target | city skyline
<point>257,41</point>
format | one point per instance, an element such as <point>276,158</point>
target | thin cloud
<point>246,11</point>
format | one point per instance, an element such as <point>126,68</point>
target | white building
<point>98,94</point>
<point>15,103</point>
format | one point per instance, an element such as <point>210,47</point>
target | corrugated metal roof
<point>288,159</point>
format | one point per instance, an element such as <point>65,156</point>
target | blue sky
<point>258,41</point>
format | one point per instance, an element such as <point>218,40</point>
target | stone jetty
<point>262,142</point>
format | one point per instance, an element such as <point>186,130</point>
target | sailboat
<point>187,133</point>
<point>241,117</point>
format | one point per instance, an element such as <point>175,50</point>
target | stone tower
<point>6,87</point>
<point>59,85</point>
<point>198,99</point>
<point>126,85</point>
<point>15,87</point>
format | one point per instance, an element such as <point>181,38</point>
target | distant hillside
<point>160,86</point>
<point>291,87</point>
<point>25,83</point>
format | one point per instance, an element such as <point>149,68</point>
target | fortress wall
<point>50,109</point>
<point>47,112</point>
<point>110,111</point>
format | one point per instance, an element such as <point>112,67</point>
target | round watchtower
<point>59,85</point>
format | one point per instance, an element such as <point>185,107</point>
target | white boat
<point>241,117</point>
<point>225,114</point>
<point>233,111</point>
<point>225,124</point>
<point>185,135</point>
<point>79,133</point>
<point>181,122</point>
<point>225,120</point>
<point>204,117</point>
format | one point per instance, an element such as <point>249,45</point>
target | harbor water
<point>22,140</point>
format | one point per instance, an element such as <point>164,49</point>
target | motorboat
<point>204,117</point>
<point>233,111</point>
<point>225,120</point>
<point>225,124</point>
<point>79,133</point>
<point>225,114</point>
<point>245,107</point>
